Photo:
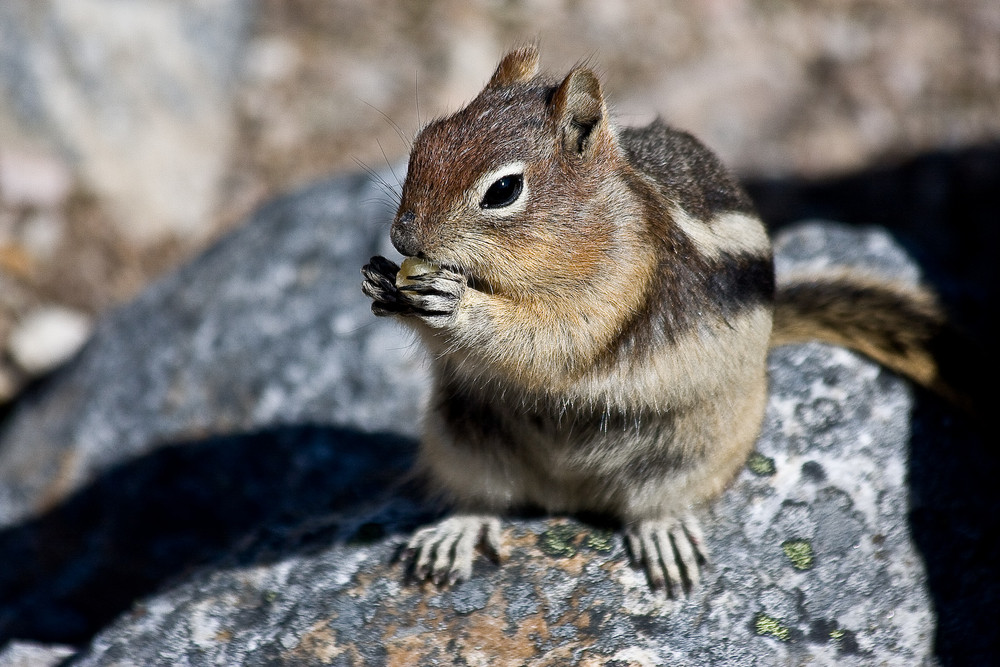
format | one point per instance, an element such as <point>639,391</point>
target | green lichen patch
<point>600,540</point>
<point>559,541</point>
<point>769,626</point>
<point>800,553</point>
<point>846,642</point>
<point>761,465</point>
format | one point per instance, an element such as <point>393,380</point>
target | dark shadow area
<point>145,522</point>
<point>954,470</point>
<point>944,208</point>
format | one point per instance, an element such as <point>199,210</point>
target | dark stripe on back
<point>689,288</point>
<point>690,174</point>
<point>737,282</point>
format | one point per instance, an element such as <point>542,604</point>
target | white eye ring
<point>518,190</point>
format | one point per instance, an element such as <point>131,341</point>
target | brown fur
<point>598,341</point>
<point>901,326</point>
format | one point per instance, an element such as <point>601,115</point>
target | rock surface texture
<point>219,478</point>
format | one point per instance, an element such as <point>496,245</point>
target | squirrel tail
<point>901,326</point>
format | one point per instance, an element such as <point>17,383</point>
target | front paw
<point>443,552</point>
<point>671,550</point>
<point>433,296</point>
<point>380,284</point>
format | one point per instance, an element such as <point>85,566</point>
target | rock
<point>813,563</point>
<point>30,654</point>
<point>142,102</point>
<point>218,478</point>
<point>267,328</point>
<point>48,337</point>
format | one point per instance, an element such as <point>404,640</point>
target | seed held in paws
<point>411,268</point>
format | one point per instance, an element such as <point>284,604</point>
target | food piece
<point>412,267</point>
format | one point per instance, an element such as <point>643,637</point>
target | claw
<point>444,552</point>
<point>491,541</point>
<point>671,551</point>
<point>384,266</point>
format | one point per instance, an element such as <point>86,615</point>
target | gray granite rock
<point>219,478</point>
<point>241,393</point>
<point>813,562</point>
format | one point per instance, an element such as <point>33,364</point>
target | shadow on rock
<point>943,208</point>
<point>141,524</point>
<point>954,505</point>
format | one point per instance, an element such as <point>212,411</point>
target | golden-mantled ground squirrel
<point>598,304</point>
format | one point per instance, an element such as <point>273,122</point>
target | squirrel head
<point>517,186</point>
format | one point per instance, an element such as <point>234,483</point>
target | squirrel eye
<point>503,192</point>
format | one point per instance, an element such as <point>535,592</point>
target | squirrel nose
<point>404,234</point>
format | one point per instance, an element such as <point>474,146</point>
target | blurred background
<point>134,132</point>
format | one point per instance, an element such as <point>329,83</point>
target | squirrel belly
<point>597,308</point>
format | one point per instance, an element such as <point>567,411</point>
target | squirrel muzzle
<point>404,234</point>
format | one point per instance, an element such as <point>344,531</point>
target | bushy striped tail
<point>901,326</point>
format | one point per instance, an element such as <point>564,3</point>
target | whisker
<point>385,186</point>
<point>416,97</point>
<point>399,131</point>
<point>388,164</point>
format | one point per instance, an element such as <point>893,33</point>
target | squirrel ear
<point>578,106</point>
<point>517,66</point>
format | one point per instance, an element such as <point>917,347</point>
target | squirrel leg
<point>444,551</point>
<point>671,550</point>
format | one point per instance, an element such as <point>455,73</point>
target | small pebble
<point>20,652</point>
<point>47,337</point>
